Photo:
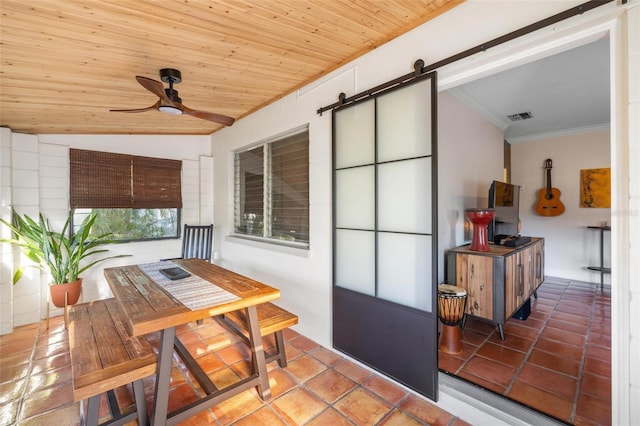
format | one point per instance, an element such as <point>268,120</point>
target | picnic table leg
<point>257,353</point>
<point>141,405</point>
<point>161,399</point>
<point>93,408</point>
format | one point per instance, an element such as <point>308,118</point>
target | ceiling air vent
<point>520,116</point>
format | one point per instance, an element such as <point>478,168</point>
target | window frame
<point>267,192</point>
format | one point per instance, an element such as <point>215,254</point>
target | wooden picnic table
<point>158,304</point>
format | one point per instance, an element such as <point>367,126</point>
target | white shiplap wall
<point>25,180</point>
<point>6,251</point>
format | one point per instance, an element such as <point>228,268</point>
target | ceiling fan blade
<point>154,87</point>
<point>211,116</point>
<point>152,107</point>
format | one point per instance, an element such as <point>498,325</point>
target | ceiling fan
<point>170,102</point>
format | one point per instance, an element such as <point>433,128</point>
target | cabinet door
<point>529,266</point>
<point>538,259</point>
<point>514,292</point>
<point>475,275</point>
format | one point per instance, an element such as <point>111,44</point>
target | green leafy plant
<point>62,255</point>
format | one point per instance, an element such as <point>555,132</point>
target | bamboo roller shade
<point>108,180</point>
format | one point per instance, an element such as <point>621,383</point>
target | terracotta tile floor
<point>318,387</point>
<point>558,361</point>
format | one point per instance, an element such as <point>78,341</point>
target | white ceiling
<point>566,93</point>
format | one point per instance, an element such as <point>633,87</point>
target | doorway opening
<point>553,361</point>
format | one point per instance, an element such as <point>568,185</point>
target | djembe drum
<point>452,301</point>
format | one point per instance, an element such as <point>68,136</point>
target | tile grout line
<point>475,351</point>
<point>549,316</point>
<point>584,356</point>
<point>576,396</point>
<point>574,402</point>
<point>27,379</point>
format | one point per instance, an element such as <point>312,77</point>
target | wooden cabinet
<point>498,282</point>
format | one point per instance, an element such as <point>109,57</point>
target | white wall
<point>6,251</point>
<point>626,216</point>
<point>25,192</point>
<point>569,245</point>
<point>470,157</point>
<point>303,276</point>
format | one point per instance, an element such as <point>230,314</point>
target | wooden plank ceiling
<point>65,63</point>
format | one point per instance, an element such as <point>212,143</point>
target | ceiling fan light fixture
<point>170,109</point>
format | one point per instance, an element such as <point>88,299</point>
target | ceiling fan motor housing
<point>170,75</point>
<point>173,95</point>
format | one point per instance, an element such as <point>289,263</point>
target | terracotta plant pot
<point>58,291</point>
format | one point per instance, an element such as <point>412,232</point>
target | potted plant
<point>61,254</point>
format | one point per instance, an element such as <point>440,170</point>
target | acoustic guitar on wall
<point>549,203</point>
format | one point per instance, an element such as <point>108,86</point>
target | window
<point>132,224</point>
<point>272,190</point>
<point>136,198</point>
